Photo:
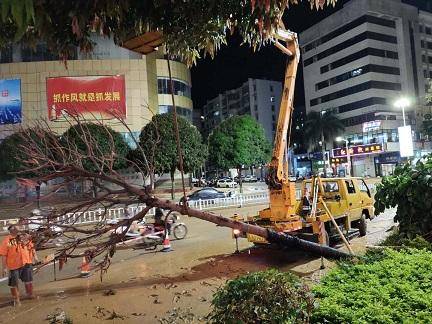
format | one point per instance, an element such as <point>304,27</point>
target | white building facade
<point>357,62</point>
<point>258,98</point>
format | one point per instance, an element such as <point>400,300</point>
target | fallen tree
<point>61,160</point>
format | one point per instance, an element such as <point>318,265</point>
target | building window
<point>255,97</point>
<point>271,88</point>
<point>272,99</point>
<point>430,74</point>
<point>430,59</point>
<point>362,103</point>
<point>424,58</point>
<point>347,27</point>
<point>256,107</point>
<point>273,118</point>
<point>185,112</point>
<point>429,45</point>
<point>6,54</point>
<point>180,88</point>
<point>353,57</point>
<point>350,42</point>
<point>256,116</point>
<point>422,43</point>
<point>428,31</point>
<point>425,73</point>
<point>273,108</point>
<point>41,53</point>
<point>356,72</point>
<point>273,126</point>
<point>354,89</point>
<point>420,28</point>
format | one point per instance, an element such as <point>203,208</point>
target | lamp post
<point>402,103</point>
<point>340,139</point>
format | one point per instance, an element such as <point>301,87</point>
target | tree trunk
<point>152,180</point>
<point>323,153</point>
<point>172,185</point>
<point>283,240</point>
<point>94,188</point>
<point>239,172</point>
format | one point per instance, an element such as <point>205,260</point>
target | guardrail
<point>98,215</point>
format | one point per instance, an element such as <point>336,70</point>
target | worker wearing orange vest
<point>17,253</point>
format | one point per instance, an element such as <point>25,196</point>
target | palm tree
<point>322,126</point>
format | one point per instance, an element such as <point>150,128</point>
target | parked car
<point>226,183</point>
<point>199,183</point>
<point>206,193</point>
<point>211,182</point>
<point>250,178</point>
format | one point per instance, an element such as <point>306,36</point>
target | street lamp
<point>402,103</point>
<point>340,139</point>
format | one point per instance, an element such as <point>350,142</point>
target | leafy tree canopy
<point>409,189</point>
<point>103,140</point>
<point>322,126</point>
<point>158,141</point>
<point>237,141</point>
<point>9,156</point>
<point>188,27</point>
<point>12,155</point>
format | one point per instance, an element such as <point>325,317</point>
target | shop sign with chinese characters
<point>358,150</point>
<point>88,96</point>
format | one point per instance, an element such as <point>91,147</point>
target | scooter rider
<point>160,220</point>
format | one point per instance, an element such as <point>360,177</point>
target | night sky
<point>233,64</point>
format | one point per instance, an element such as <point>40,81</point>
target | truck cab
<point>348,199</point>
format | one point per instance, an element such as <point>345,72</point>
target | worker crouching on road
<point>18,253</point>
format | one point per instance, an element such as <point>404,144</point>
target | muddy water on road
<point>176,287</point>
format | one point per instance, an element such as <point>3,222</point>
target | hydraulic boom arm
<point>275,177</point>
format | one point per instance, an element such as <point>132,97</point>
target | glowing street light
<point>341,139</point>
<point>402,103</point>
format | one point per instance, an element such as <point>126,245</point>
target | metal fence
<point>99,215</point>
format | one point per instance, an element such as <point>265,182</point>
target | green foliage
<point>157,139</point>
<point>237,141</point>
<point>394,287</point>
<point>95,142</point>
<point>410,190</point>
<point>12,155</point>
<point>263,297</point>
<point>188,26</point>
<point>322,125</point>
<point>418,242</point>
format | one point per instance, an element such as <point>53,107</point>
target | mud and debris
<point>167,288</point>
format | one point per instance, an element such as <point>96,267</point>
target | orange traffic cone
<point>166,243</point>
<point>85,267</point>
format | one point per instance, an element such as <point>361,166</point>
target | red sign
<point>358,150</point>
<point>103,96</point>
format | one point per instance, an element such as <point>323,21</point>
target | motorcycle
<point>153,235</point>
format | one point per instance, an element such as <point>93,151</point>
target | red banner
<point>90,96</point>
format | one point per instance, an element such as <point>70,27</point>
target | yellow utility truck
<point>327,205</point>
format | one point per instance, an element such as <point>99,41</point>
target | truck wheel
<point>362,225</point>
